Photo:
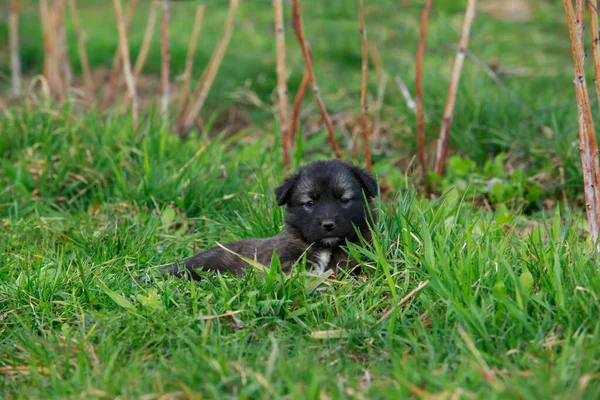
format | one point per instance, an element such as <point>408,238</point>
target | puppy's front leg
<point>214,259</point>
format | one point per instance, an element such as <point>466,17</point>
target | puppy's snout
<point>328,224</point>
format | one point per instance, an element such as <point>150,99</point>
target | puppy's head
<point>325,201</point>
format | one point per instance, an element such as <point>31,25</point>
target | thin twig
<point>405,93</point>
<point>51,72</point>
<point>492,74</point>
<point>595,42</point>
<point>282,90</point>
<point>419,86</point>
<point>206,81</point>
<point>382,78</point>
<point>587,134</point>
<point>189,62</point>
<point>90,92</point>
<point>63,54</point>
<point>442,146</point>
<point>124,46</point>
<point>146,41</point>
<point>404,300</point>
<point>363,91</point>
<point>298,102</point>
<point>299,30</point>
<point>113,77</point>
<point>15,60</point>
<point>144,50</point>
<point>165,60</point>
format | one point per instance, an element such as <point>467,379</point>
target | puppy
<point>325,207</point>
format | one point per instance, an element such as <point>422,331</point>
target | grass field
<point>507,305</point>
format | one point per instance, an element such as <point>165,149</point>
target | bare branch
<point>442,146</point>
<point>419,86</point>
<point>15,60</point>
<point>144,50</point>
<point>165,60</point>
<point>587,134</point>
<point>113,77</point>
<point>51,72</point>
<point>124,46</point>
<point>63,55</point>
<point>405,93</point>
<point>363,91</point>
<point>299,30</point>
<point>282,90</point>
<point>189,62</point>
<point>205,82</point>
<point>298,102</point>
<point>90,92</point>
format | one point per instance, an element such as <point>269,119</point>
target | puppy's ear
<point>283,192</point>
<point>368,182</point>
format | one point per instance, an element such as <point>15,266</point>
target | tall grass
<point>87,205</point>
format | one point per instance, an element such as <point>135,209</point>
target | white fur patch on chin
<point>332,241</point>
<point>322,261</point>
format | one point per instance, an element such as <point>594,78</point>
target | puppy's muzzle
<point>328,225</point>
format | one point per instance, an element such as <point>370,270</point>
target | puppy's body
<point>325,206</point>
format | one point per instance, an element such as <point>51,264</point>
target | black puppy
<point>324,202</point>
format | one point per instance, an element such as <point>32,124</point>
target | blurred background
<point>515,97</point>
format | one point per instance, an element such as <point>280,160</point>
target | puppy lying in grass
<point>325,206</point>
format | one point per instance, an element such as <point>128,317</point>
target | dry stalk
<point>44,19</point>
<point>115,69</point>
<point>363,91</point>
<point>382,79</point>
<point>63,55</point>
<point>90,92</point>
<point>282,90</point>
<point>419,86</point>
<point>51,72</point>
<point>442,145</point>
<point>404,300</point>
<point>593,10</point>
<point>189,62</point>
<point>143,54</point>
<point>587,134</point>
<point>165,58</point>
<point>124,46</point>
<point>405,93</point>
<point>15,61</point>
<point>299,30</point>
<point>298,103</point>
<point>146,41</point>
<point>204,84</point>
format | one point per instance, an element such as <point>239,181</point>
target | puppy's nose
<point>328,224</point>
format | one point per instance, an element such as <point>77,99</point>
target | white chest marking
<point>321,261</point>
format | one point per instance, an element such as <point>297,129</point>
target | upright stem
<point>299,30</point>
<point>363,91</point>
<point>588,145</point>
<point>442,147</point>
<point>207,78</point>
<point>113,77</point>
<point>282,90</point>
<point>419,86</point>
<point>189,62</point>
<point>165,56</point>
<point>124,47</point>
<point>83,59</point>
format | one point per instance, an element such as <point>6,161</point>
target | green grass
<point>511,309</point>
<point>506,313</point>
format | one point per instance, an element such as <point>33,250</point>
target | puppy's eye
<point>345,200</point>
<point>309,204</point>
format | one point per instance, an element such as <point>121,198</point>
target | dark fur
<point>324,202</point>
